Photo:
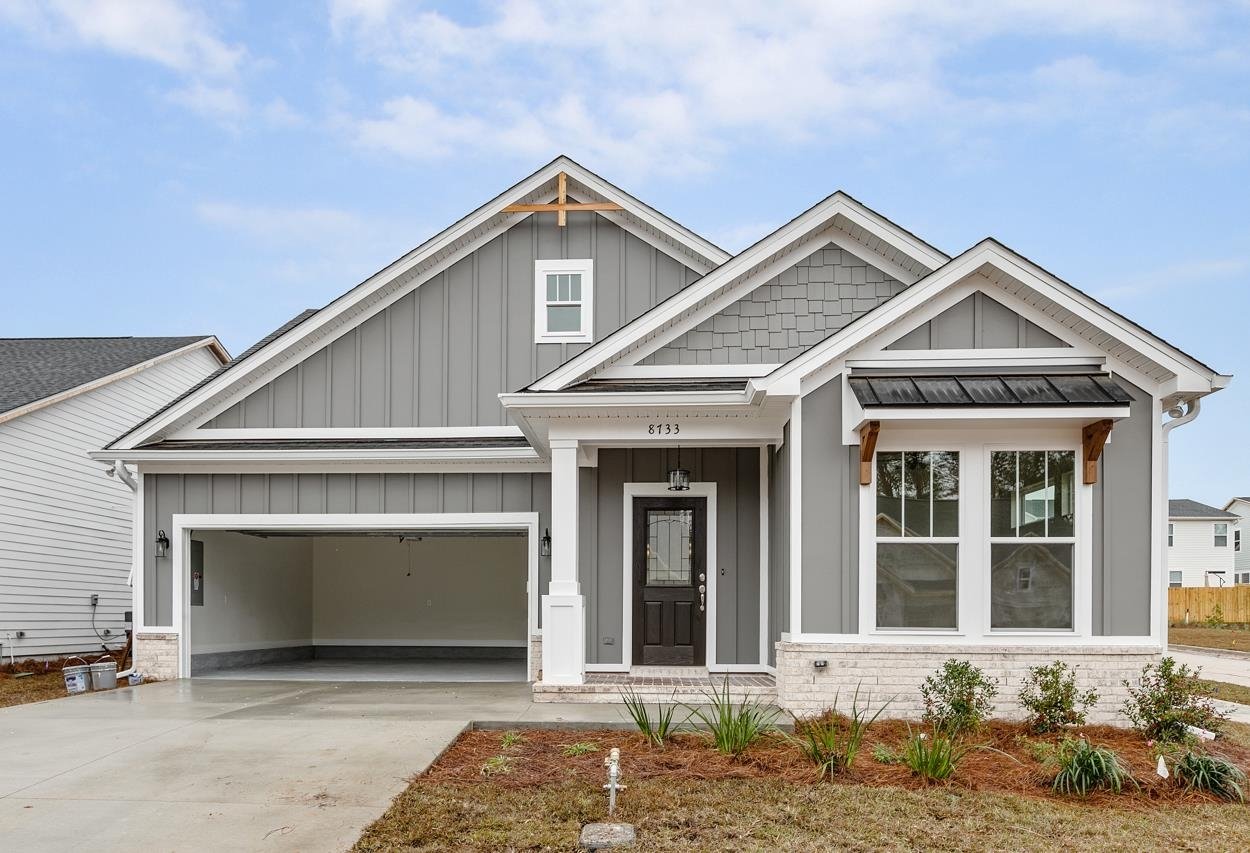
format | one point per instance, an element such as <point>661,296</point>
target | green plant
<point>883,754</point>
<point>496,765</point>
<point>1167,699</point>
<point>733,728</point>
<point>1215,619</point>
<point>933,756</point>
<point>831,741</point>
<point>1084,767</point>
<point>1052,698</point>
<point>958,697</point>
<point>1212,774</point>
<point>584,747</point>
<point>510,739</point>
<point>656,729</point>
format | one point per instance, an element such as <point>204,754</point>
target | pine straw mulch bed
<point>45,683</point>
<point>538,759</point>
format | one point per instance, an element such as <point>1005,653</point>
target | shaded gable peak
<point>786,314</point>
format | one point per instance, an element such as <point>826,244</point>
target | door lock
<point>702,596</point>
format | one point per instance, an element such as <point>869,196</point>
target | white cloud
<point>659,87</point>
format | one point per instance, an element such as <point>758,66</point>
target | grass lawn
<point>1227,692</point>
<point>1210,638</point>
<point>688,797</point>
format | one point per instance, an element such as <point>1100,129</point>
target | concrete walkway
<point>1226,668</point>
<point>233,765</point>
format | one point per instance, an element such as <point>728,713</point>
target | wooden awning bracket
<point>1093,439</point>
<point>867,448</point>
<point>561,206</point>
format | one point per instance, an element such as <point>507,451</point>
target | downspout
<point>119,470</point>
<point>1176,417</point>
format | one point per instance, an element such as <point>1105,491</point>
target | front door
<point>670,581</point>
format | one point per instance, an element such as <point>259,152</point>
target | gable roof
<point>908,257</point>
<point>270,356</point>
<point>1185,508</point>
<point>1001,266</point>
<point>36,369</point>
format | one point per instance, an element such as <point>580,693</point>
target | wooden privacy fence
<point>1196,604</point>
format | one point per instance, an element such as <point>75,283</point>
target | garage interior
<point>414,605</point>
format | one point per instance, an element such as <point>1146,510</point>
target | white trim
<point>685,371</point>
<point>183,523</point>
<point>440,251</point>
<point>796,515</point>
<point>327,455</point>
<point>1012,641</point>
<point>764,557</point>
<point>816,219</point>
<point>299,433</point>
<point>468,644</point>
<point>137,563</point>
<point>1024,414</point>
<point>584,267</point>
<point>643,490</point>
<point>211,343</point>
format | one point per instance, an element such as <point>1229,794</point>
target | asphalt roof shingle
<point>1185,508</point>
<point>32,369</point>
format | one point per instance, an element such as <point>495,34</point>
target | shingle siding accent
<point>786,315</point>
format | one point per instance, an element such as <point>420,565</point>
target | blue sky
<point>177,168</point>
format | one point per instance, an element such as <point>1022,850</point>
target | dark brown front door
<point>670,581</point>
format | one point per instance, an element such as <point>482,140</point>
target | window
<point>1032,539</point>
<point>1242,578</point>
<point>917,531</point>
<point>1174,578</point>
<point>1237,539</point>
<point>563,301</point>
<point>1171,535</point>
<point>1221,534</point>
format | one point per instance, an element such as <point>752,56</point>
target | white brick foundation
<point>895,672</point>
<point>536,657</point>
<point>156,655</point>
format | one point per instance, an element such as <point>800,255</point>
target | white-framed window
<point>564,301</point>
<point>1243,577</point>
<point>1014,557</point>
<point>1032,534</point>
<point>1171,535</point>
<point>1221,534</point>
<point>917,539</point>
<point>1175,578</point>
<point>1237,539</point>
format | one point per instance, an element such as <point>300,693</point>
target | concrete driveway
<point>233,765</point>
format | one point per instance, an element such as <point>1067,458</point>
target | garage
<point>336,602</point>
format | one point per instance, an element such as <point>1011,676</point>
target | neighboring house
<point>66,530</point>
<point>1240,507</point>
<point>1202,544</point>
<point>838,457</point>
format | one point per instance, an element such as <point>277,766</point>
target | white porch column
<point>564,616</point>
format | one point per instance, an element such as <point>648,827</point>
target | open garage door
<point>396,604</point>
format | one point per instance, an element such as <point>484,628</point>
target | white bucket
<point>135,679</point>
<point>77,679</point>
<point>104,675</point>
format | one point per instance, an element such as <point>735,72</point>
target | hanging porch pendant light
<point>679,477</point>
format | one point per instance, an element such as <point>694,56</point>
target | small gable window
<point>563,301</point>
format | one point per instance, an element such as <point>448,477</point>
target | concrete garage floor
<point>378,670</point>
<point>207,764</point>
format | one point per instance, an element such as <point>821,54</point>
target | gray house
<point>66,532</point>
<point>569,425</point>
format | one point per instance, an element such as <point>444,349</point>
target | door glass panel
<point>669,548</point>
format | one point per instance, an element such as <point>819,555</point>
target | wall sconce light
<point>544,544</point>
<point>679,477</point>
<point>162,544</point>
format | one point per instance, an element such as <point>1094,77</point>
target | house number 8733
<point>663,429</point>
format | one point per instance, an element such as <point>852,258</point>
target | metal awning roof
<point>1036,389</point>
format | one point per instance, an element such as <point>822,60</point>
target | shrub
<point>832,741</point>
<point>1211,774</point>
<point>733,728</point>
<point>933,757</point>
<point>584,747</point>
<point>1052,699</point>
<point>1216,617</point>
<point>958,698</point>
<point>1084,767</point>
<point>1168,698</point>
<point>656,729</point>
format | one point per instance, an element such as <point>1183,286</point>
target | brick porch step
<point>688,688</point>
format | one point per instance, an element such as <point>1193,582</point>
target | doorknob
<point>702,596</point>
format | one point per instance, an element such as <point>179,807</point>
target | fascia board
<point>586,400</point>
<point>328,456</point>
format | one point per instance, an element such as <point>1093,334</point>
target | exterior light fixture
<point>679,477</point>
<point>544,544</point>
<point>162,544</point>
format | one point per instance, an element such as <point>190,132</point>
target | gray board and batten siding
<point>977,322</point>
<point>778,543</point>
<point>165,495</point>
<point>441,354</point>
<point>1121,519</point>
<point>735,471</point>
<point>786,315</point>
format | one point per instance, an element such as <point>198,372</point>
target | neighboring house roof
<point>983,390</point>
<point>1185,508</point>
<point>36,369</point>
<point>689,248</point>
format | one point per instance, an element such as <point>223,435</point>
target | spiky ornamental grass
<point>734,727</point>
<point>656,729</point>
<point>1084,767</point>
<point>1210,773</point>
<point>832,741</point>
